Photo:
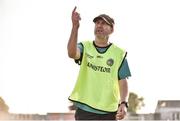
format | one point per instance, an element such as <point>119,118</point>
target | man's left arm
<point>123,74</point>
<point>122,109</point>
<point>123,87</point>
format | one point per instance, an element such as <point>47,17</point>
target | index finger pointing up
<point>74,9</point>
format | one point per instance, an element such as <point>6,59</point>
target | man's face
<point>102,29</point>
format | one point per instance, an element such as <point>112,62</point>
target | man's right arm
<point>73,50</point>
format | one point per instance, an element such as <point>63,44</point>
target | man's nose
<point>99,25</point>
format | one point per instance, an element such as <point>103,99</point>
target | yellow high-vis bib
<point>97,84</point>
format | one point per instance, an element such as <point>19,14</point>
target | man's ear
<point>112,30</point>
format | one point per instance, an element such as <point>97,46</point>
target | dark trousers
<point>84,115</point>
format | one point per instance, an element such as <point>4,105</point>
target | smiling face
<point>102,29</point>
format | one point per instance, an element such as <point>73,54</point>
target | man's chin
<point>100,35</point>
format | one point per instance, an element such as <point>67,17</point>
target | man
<point>101,89</point>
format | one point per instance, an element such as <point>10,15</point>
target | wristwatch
<point>125,103</point>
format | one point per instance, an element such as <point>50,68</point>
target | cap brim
<point>102,18</point>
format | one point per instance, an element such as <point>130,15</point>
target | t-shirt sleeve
<point>80,46</point>
<point>124,71</point>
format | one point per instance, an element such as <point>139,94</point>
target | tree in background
<point>135,103</point>
<point>3,106</point>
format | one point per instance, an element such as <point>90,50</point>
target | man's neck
<point>101,42</point>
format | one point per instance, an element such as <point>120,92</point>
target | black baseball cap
<point>106,18</point>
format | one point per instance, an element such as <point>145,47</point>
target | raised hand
<point>75,18</point>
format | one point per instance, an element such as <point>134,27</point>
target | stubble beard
<point>102,37</point>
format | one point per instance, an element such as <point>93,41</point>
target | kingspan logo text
<point>99,68</point>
